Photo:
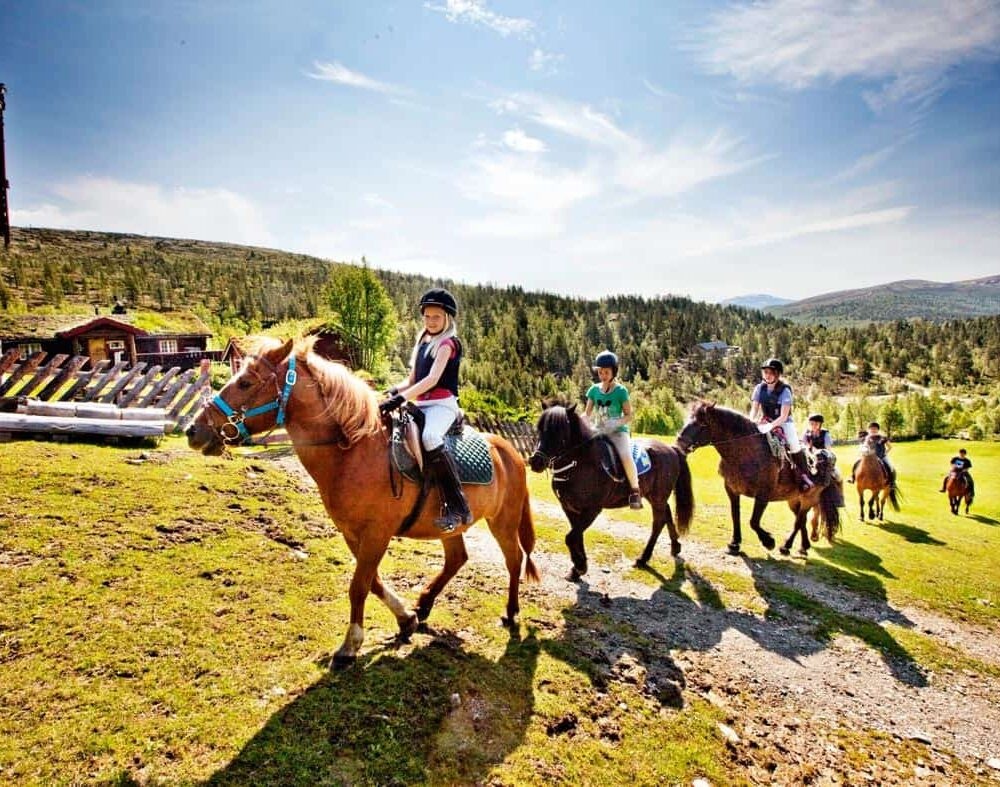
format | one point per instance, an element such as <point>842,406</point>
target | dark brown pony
<point>749,468</point>
<point>333,421</point>
<point>957,487</point>
<point>570,447</point>
<point>872,477</point>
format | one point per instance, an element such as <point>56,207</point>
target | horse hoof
<point>733,548</point>
<point>342,662</point>
<point>785,551</point>
<point>641,562</point>
<point>803,553</point>
<point>675,549</point>
<point>575,575</point>
<point>767,541</point>
<point>407,627</point>
<point>508,622</point>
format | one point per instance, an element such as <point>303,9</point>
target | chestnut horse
<point>872,477</point>
<point>749,468</point>
<point>573,451</point>
<point>957,487</point>
<point>332,419</point>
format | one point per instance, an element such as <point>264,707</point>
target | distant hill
<point>899,300</point>
<point>756,301</point>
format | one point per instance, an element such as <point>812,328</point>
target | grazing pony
<point>749,468</point>
<point>957,486</point>
<point>332,419</point>
<point>871,476</point>
<point>580,459</point>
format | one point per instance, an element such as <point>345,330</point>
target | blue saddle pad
<point>641,457</point>
<point>471,452</point>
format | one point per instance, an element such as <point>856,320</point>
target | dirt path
<point>792,696</point>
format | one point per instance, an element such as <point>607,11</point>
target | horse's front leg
<point>734,512</point>
<point>861,504</point>
<point>766,539</point>
<point>579,522</point>
<point>367,556</point>
<point>406,619</point>
<point>455,557</point>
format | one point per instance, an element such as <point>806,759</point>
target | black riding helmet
<point>606,360</point>
<point>815,417</point>
<point>441,298</point>
<point>774,364</point>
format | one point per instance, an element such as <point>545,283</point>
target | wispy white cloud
<point>580,121</point>
<point>342,75</point>
<point>906,46</point>
<point>518,141</point>
<point>97,203</point>
<point>377,201</point>
<point>680,166</point>
<point>544,62</point>
<point>866,163</point>
<point>475,12</point>
<point>657,90</point>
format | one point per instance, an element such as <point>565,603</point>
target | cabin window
<point>29,349</point>
<point>168,345</point>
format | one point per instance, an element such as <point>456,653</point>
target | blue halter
<point>236,419</point>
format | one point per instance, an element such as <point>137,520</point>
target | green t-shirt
<point>608,405</point>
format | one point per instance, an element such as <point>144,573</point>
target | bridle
<point>234,431</point>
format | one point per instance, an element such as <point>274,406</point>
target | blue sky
<point>791,147</point>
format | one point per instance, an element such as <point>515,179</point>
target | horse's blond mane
<point>350,402</point>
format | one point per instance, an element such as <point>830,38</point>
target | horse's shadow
<point>606,637</point>
<point>425,716</point>
<point>914,535</point>
<point>984,519</point>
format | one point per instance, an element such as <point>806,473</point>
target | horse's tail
<point>526,535</point>
<point>683,494</point>
<point>830,499</point>
<point>895,497</point>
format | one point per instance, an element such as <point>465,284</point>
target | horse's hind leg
<point>455,557</point>
<point>505,531</point>
<point>660,518</point>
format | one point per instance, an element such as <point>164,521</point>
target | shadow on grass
<point>438,714</point>
<point>912,534</point>
<point>984,519</point>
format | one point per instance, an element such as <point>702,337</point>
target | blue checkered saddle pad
<point>470,449</point>
<point>612,464</point>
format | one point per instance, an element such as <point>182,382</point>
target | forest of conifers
<point>918,377</point>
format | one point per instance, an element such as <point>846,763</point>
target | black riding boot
<point>805,480</point>
<point>972,484</point>
<point>944,484</point>
<point>854,470</point>
<point>455,508</point>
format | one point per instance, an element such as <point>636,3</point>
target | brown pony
<point>332,419</point>
<point>872,477</point>
<point>749,468</point>
<point>957,487</point>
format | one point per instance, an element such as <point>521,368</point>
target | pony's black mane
<point>724,416</point>
<point>569,423</point>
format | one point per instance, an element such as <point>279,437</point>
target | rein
<point>235,431</point>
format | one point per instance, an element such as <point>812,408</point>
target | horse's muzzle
<point>204,438</point>
<point>537,462</point>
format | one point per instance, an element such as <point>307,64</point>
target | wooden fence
<point>520,434</point>
<point>63,379</point>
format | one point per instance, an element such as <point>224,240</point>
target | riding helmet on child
<point>606,360</point>
<point>816,417</point>
<point>774,365</point>
<point>441,298</point>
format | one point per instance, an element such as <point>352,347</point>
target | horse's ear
<point>571,408</point>
<point>545,405</point>
<point>284,350</point>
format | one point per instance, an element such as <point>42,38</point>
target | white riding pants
<point>791,436</point>
<point>439,415</point>
<point>624,448</point>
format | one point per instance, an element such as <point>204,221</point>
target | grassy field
<point>169,619</point>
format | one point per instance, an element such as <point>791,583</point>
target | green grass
<point>171,620</point>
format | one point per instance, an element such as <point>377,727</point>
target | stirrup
<point>635,500</point>
<point>449,520</point>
